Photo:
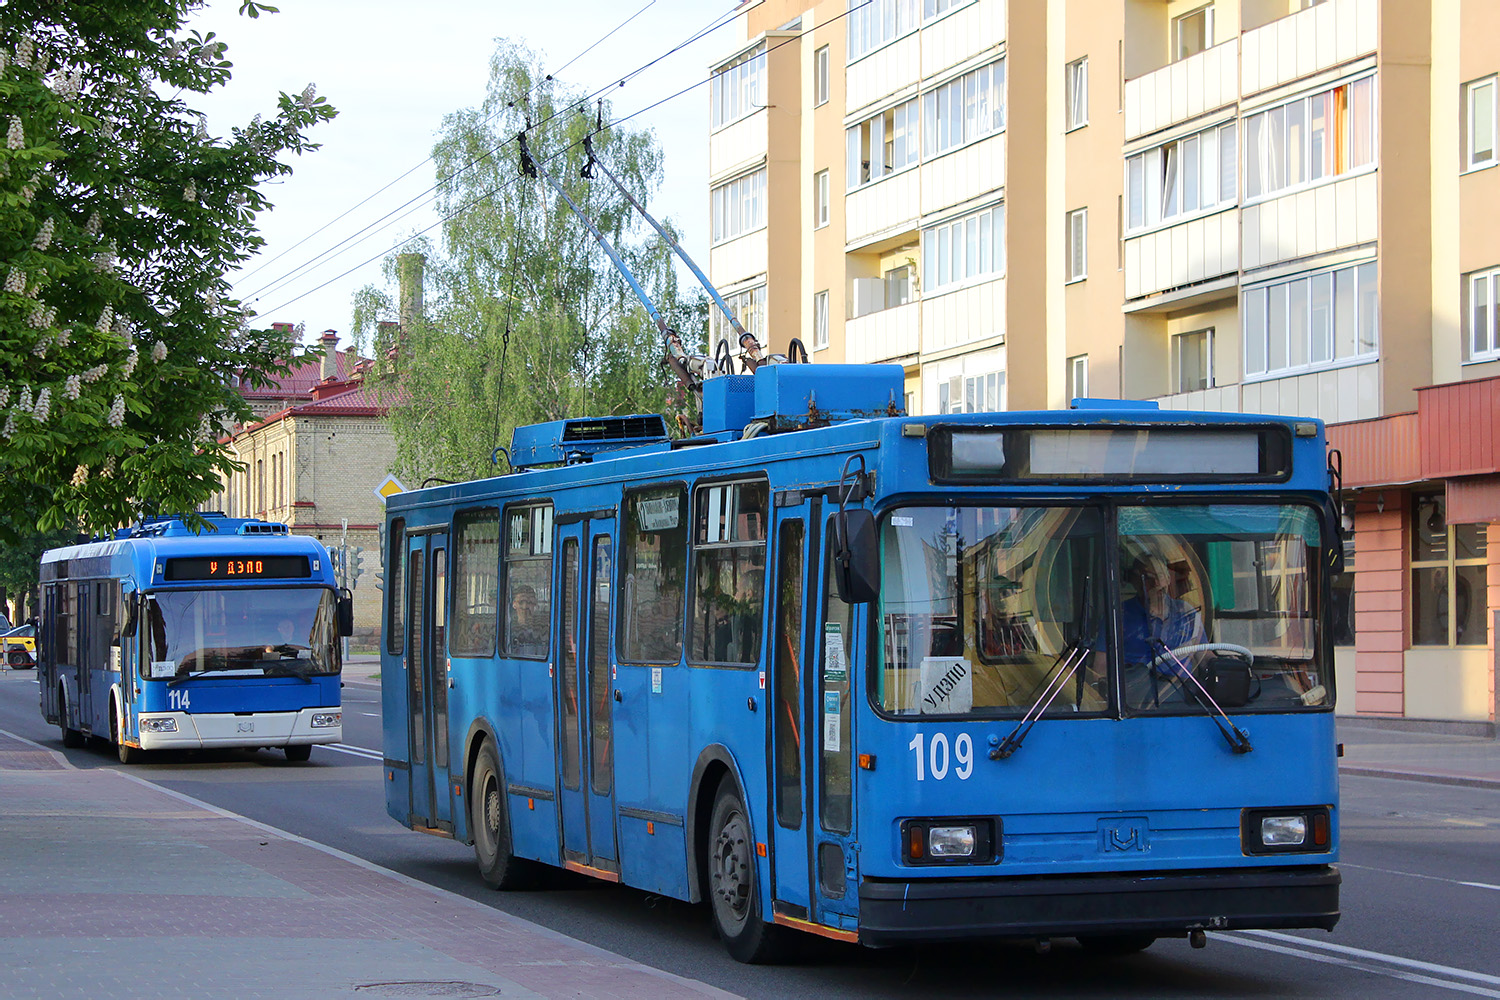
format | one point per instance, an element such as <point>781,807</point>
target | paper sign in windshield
<point>946,685</point>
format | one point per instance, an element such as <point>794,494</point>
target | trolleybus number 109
<point>936,760</point>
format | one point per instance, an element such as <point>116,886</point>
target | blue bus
<point>878,677</point>
<point>164,637</point>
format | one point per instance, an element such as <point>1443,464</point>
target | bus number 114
<point>936,759</point>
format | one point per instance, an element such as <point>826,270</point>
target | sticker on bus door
<point>831,741</point>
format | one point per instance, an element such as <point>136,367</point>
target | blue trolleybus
<point>163,638</point>
<point>883,678</point>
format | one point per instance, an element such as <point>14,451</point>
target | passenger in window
<point>528,627</point>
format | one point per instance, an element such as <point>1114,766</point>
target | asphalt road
<point>1421,897</point>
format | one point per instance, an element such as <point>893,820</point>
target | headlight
<point>158,725</point>
<point>1292,830</point>
<point>324,720</point>
<point>949,841</point>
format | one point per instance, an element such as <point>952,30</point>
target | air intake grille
<point>632,428</point>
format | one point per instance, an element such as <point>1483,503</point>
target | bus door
<point>788,691</point>
<point>83,645</point>
<point>838,663</point>
<point>584,685</point>
<point>427,679</point>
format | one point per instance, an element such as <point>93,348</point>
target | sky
<point>393,69</point>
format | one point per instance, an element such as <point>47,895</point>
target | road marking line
<point>370,715</point>
<point>1410,977</point>
<point>1431,878</point>
<point>1411,963</point>
<point>352,751</point>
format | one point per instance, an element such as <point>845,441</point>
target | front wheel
<point>71,738</point>
<point>19,660</point>
<point>490,822</point>
<point>127,754</point>
<point>298,754</point>
<point>734,891</point>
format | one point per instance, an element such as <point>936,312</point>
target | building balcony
<point>962,318</point>
<point>962,35</point>
<point>738,145</point>
<point>1182,90</point>
<point>1185,254</point>
<point>884,208</point>
<point>1326,216</point>
<point>1307,42</point>
<point>887,335</point>
<point>739,259</point>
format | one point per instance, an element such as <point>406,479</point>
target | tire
<point>18,659</point>
<point>298,754</point>
<point>71,738</point>
<point>489,821</point>
<point>733,887</point>
<point>1116,945</point>
<point>125,752</point>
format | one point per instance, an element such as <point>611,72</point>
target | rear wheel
<point>489,820</point>
<point>127,754</point>
<point>1115,945</point>
<point>298,754</point>
<point>71,738</point>
<point>734,891</point>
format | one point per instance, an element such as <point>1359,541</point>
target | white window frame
<point>941,262</point>
<point>1264,122</point>
<point>1077,268</point>
<point>871,152</point>
<point>822,76</point>
<point>734,92</point>
<point>821,196</point>
<point>1471,115</point>
<point>738,207</point>
<point>1078,94</point>
<point>934,9</point>
<point>1346,293</point>
<point>874,24</point>
<point>1207,10</point>
<point>951,120</point>
<point>1477,325</point>
<point>749,307</point>
<point>1078,377</point>
<point>1208,359</point>
<point>1213,150</point>
<point>820,321</point>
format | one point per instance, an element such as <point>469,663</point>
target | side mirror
<point>346,614</point>
<point>856,558</point>
<point>131,616</point>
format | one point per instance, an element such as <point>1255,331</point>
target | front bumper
<point>262,729</point>
<point>899,911</point>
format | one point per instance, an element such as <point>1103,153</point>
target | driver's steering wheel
<point>1201,647</point>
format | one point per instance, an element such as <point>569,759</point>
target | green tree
<point>120,346</point>
<point>20,561</point>
<point>526,319</point>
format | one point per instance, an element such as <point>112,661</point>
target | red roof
<point>306,372</point>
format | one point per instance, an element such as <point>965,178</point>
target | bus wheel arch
<point>480,732</point>
<point>714,767</point>
<point>489,822</point>
<point>126,753</point>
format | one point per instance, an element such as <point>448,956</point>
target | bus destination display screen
<point>1110,454</point>
<point>237,568</point>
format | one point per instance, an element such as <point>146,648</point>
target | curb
<point>1466,781</point>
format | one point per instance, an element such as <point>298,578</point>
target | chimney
<point>410,267</point>
<point>330,341</point>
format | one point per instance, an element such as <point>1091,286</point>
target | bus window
<point>476,567</point>
<point>833,696</point>
<point>567,743</point>
<point>788,652</point>
<point>528,580</point>
<point>653,570</point>
<point>278,631</point>
<point>729,572</point>
<point>601,728</point>
<point>985,610</point>
<point>395,633</point>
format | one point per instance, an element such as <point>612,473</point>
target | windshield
<point>262,631</point>
<point>1004,610</point>
<point>1227,592</point>
<point>986,608</point>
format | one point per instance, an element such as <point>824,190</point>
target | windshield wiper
<point>1237,738</point>
<point>1071,658</point>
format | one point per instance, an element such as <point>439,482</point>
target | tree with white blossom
<point>121,346</point>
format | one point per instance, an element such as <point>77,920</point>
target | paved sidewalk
<point>1372,750</point>
<point>111,886</point>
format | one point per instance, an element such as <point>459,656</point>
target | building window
<point>972,393</point>
<point>820,320</point>
<point>1078,377</point>
<point>1180,178</point>
<point>821,77</point>
<point>1312,322</point>
<point>820,199</point>
<point>1078,238</point>
<point>739,207</point>
<point>1193,360</point>
<point>966,249</point>
<point>897,286</point>
<point>1479,123</point>
<point>735,90</point>
<point>966,109</point>
<point>1483,290</point>
<point>1311,138</point>
<point>882,145</point>
<point>873,23</point>
<point>1078,93</point>
<point>1192,32</point>
<point>937,8</point>
<point>1448,565</point>
<point>749,307</point>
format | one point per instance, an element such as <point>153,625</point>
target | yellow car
<point>18,647</point>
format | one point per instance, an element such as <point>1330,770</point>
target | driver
<point>285,640</point>
<point>1153,618</point>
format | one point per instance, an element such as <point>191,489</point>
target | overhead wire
<point>338,248</point>
<point>546,159</point>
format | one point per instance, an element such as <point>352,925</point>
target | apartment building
<point>1281,206</point>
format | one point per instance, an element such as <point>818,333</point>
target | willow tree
<point>525,317</point>
<point>120,215</point>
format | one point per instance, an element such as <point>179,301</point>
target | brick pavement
<point>111,886</point>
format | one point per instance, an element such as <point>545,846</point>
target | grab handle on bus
<point>346,612</point>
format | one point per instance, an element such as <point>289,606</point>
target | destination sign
<point>237,568</point>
